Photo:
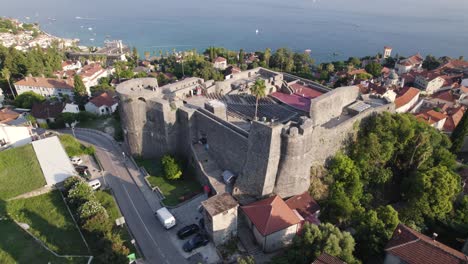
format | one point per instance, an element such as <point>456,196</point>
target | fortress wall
<point>327,142</point>
<point>331,104</point>
<point>226,145</point>
<point>186,135</point>
<point>293,173</point>
<point>261,164</point>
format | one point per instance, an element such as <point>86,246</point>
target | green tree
<point>330,67</point>
<point>99,223</point>
<point>241,56</point>
<point>459,134</point>
<point>374,229</point>
<point>246,260</point>
<point>27,99</point>
<point>267,56</point>
<point>314,240</point>
<point>70,182</point>
<point>6,74</point>
<point>374,68</point>
<point>171,168</point>
<point>431,194</point>
<point>258,89</point>
<point>431,63</point>
<point>353,61</point>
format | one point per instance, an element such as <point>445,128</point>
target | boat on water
<point>27,18</point>
<point>257,31</point>
<point>91,39</point>
<point>308,51</point>
<point>77,17</point>
<point>90,28</point>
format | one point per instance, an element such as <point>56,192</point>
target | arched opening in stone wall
<point>142,99</point>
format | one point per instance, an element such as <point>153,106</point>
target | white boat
<point>77,17</point>
<point>90,28</point>
<point>91,39</point>
<point>256,31</point>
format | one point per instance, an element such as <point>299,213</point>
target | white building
<point>220,63</point>
<point>47,87</point>
<point>90,74</point>
<point>2,98</point>
<point>387,52</point>
<point>407,100</point>
<point>429,82</point>
<point>70,65</point>
<point>14,136</point>
<point>412,63</point>
<point>103,104</point>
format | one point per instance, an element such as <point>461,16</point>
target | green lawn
<point>50,221</point>
<point>73,147</point>
<point>107,124</point>
<point>173,190</point>
<point>20,172</point>
<point>16,246</point>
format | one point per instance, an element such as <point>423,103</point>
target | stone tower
<point>293,172</point>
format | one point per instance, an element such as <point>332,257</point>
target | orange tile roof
<point>447,96</point>
<point>454,118</point>
<point>406,97</point>
<point>220,59</point>
<point>90,70</point>
<point>7,115</point>
<point>270,215</point>
<point>415,248</point>
<point>325,258</point>
<point>46,82</point>
<point>103,99</point>
<point>305,205</point>
<point>431,116</point>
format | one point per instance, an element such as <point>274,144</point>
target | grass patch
<point>16,246</point>
<point>108,201</point>
<point>74,148</point>
<point>20,172</point>
<point>50,221</point>
<point>107,124</point>
<point>175,191</point>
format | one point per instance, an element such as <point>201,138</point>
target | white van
<point>166,218</point>
<point>95,184</point>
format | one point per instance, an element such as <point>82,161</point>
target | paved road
<point>151,237</point>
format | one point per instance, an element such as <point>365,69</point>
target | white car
<point>76,160</point>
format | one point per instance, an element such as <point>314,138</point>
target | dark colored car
<point>195,242</point>
<point>187,231</point>
<point>81,168</point>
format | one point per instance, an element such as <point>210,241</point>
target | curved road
<point>152,238</point>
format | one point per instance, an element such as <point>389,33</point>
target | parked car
<point>187,231</point>
<point>195,242</point>
<point>165,217</point>
<point>76,160</point>
<point>80,168</point>
<point>95,184</point>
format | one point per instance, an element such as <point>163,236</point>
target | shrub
<point>112,250</point>
<point>70,182</point>
<point>74,148</point>
<point>172,170</point>
<point>80,193</point>
<point>90,209</point>
<point>98,224</point>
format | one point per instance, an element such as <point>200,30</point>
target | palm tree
<point>7,75</point>
<point>259,91</point>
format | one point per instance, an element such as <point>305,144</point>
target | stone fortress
<point>300,124</point>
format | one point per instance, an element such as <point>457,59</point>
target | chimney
<point>434,236</point>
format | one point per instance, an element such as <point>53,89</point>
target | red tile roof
<point>415,248</point>
<point>413,60</point>
<point>324,258</point>
<point>90,70</point>
<point>104,99</point>
<point>305,205</point>
<point>293,100</point>
<point>447,96</point>
<point>455,116</point>
<point>46,82</point>
<point>406,97</point>
<point>47,109</point>
<point>431,116</point>
<point>305,91</point>
<point>7,115</point>
<point>454,64</point>
<point>270,215</point>
<point>220,59</point>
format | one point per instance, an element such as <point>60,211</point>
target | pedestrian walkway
<point>34,193</point>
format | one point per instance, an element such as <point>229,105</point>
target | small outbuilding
<point>220,214</point>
